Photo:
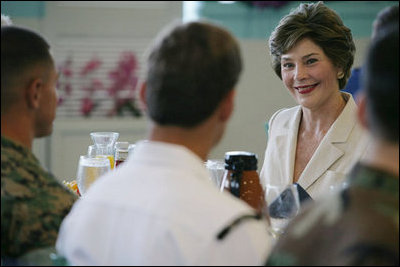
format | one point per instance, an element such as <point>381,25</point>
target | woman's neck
<point>319,121</point>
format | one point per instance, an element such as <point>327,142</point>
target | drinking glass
<point>283,205</point>
<point>91,152</point>
<point>89,169</point>
<point>104,143</point>
<point>131,148</point>
<point>216,168</point>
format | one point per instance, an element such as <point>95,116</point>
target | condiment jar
<point>242,180</point>
<point>121,152</point>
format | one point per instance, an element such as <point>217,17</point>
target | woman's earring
<point>340,75</point>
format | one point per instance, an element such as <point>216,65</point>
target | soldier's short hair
<point>22,50</point>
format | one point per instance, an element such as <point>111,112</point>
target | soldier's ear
<point>33,92</point>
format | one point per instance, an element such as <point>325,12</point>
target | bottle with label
<point>242,180</point>
<point>121,152</point>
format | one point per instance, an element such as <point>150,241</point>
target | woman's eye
<point>287,65</point>
<point>311,60</point>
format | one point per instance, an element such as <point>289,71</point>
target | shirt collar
<point>156,152</point>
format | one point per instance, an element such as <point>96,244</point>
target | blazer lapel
<point>323,158</point>
<point>286,141</point>
<point>327,153</point>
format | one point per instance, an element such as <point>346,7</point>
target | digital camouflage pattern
<point>33,202</point>
<point>356,227</point>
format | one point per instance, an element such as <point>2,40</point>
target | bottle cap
<point>240,160</point>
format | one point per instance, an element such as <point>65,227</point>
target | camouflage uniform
<point>358,226</point>
<point>33,202</point>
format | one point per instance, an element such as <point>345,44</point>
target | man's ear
<point>227,106</point>
<point>362,110</point>
<point>142,95</point>
<point>33,93</point>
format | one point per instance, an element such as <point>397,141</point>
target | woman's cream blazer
<point>343,145</point>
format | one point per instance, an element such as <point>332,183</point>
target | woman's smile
<point>305,89</point>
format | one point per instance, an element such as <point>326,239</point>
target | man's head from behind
<point>191,68</point>
<point>381,84</point>
<point>385,18</point>
<point>28,78</point>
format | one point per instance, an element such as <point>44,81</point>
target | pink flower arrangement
<point>123,85</point>
<point>64,82</point>
<point>122,88</point>
<point>87,104</point>
<point>91,66</point>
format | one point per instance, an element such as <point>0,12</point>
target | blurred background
<point>99,50</point>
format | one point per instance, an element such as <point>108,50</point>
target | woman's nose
<point>300,73</point>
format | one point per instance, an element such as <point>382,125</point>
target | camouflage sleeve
<point>32,210</point>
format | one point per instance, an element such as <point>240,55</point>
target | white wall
<point>259,93</point>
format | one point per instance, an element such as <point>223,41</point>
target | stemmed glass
<point>89,169</point>
<point>283,205</point>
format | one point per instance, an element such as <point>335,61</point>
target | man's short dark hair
<point>21,51</point>
<point>387,16</point>
<point>381,83</point>
<point>191,68</point>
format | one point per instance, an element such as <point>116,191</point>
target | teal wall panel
<point>251,22</point>
<point>243,20</point>
<point>28,9</point>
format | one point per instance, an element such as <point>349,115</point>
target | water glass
<point>91,151</point>
<point>131,148</point>
<point>283,205</point>
<point>89,170</point>
<point>104,144</point>
<point>216,168</point>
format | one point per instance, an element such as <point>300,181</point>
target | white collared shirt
<point>160,208</point>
